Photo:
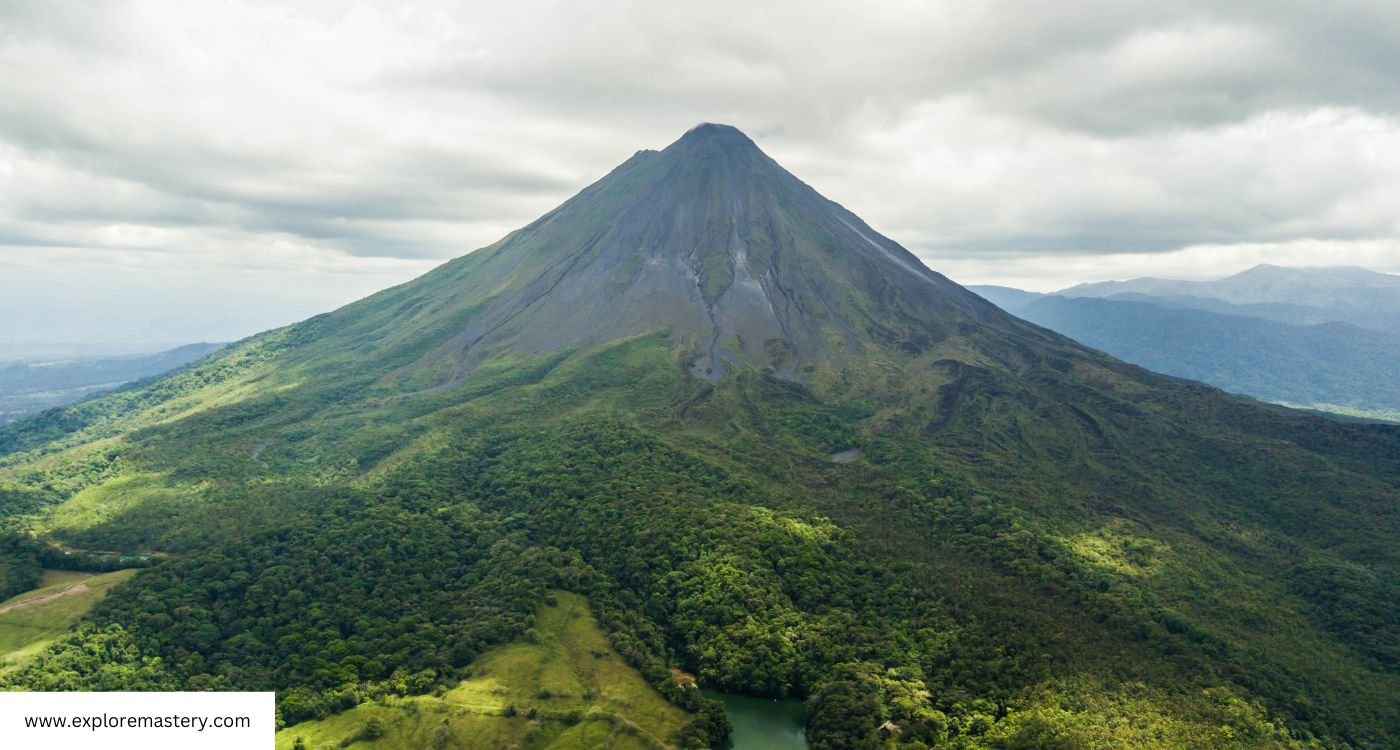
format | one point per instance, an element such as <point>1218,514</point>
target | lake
<point>763,723</point>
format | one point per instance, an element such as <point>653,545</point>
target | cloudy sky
<point>174,171</point>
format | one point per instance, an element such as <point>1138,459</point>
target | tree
<point>374,729</point>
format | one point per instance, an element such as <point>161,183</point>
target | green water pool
<point>763,723</point>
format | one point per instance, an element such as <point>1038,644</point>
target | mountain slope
<point>771,449</point>
<point>742,263</point>
<point>1333,363</point>
<point>561,689</point>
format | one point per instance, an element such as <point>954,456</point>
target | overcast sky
<point>175,171</point>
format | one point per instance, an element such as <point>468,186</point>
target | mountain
<point>1312,337</point>
<point>741,262</point>
<point>1301,296</point>
<point>1005,297</point>
<point>1324,365</point>
<point>772,450</point>
<point>37,384</point>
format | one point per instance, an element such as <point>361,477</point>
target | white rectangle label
<point>149,721</point>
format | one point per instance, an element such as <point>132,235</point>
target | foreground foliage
<point>561,686</point>
<point>710,530</point>
<point>31,621</point>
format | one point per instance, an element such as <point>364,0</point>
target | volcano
<point>710,238</point>
<point>742,263</point>
<point>774,451</point>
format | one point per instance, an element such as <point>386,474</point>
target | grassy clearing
<point>63,597</point>
<point>563,688</point>
<point>103,502</point>
<point>53,579</point>
<point>432,723</point>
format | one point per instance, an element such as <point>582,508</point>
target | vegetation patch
<point>1113,549</point>
<point>562,686</point>
<point>31,621</point>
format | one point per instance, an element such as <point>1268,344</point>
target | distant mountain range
<point>1301,296</point>
<point>41,382</point>
<point>1325,338</point>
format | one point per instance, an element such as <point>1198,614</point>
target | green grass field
<point>32,620</point>
<point>563,688</point>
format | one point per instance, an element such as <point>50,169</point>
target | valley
<point>34,378</point>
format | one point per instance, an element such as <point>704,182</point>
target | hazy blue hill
<point>1281,312</point>
<point>55,351</point>
<point>1308,336</point>
<point>772,450</point>
<point>37,383</point>
<point>1005,297</point>
<point>1291,295</point>
<point>1332,363</point>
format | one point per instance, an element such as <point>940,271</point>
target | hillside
<point>1245,348</point>
<point>559,688</point>
<point>1333,364</point>
<point>34,619</point>
<point>770,448</point>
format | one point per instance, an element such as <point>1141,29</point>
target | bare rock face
<point>711,239</point>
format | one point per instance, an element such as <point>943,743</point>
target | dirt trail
<point>77,588</point>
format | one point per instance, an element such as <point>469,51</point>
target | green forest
<point>389,547</point>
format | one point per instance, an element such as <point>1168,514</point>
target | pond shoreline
<point>763,723</point>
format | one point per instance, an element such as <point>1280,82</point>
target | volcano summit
<point>744,264</point>
<point>773,450</point>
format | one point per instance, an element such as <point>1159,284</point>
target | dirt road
<point>76,588</point>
